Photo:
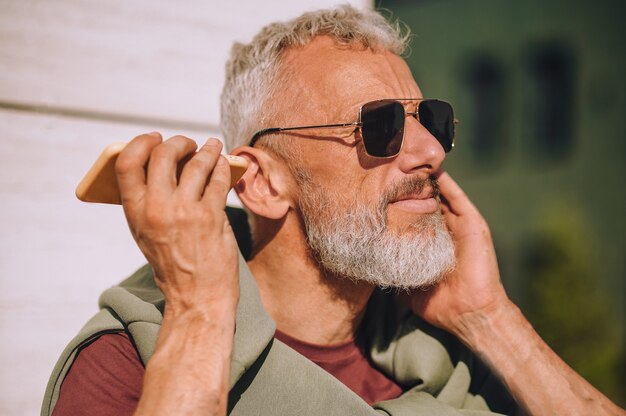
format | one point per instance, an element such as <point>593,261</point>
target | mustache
<point>409,186</point>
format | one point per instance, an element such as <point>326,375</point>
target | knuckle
<point>154,218</point>
<point>161,151</point>
<point>212,146</point>
<point>147,136</point>
<point>183,216</point>
<point>197,163</point>
<point>123,164</point>
<point>180,137</point>
<point>186,141</point>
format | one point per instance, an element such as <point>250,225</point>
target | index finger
<point>457,201</point>
<point>218,186</point>
<point>130,165</point>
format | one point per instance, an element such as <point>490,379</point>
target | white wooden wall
<point>74,76</point>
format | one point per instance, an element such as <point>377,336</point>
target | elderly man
<point>345,195</point>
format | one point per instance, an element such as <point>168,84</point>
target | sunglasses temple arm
<point>260,133</point>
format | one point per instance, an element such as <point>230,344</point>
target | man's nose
<point>421,152</point>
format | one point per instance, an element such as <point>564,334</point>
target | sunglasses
<point>382,125</point>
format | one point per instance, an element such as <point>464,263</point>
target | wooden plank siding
<point>75,76</point>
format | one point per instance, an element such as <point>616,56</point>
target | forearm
<point>182,229</point>
<point>538,379</point>
<point>188,372</point>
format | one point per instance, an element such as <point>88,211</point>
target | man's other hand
<point>474,287</point>
<point>471,303</point>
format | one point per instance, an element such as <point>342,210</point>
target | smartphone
<point>100,183</point>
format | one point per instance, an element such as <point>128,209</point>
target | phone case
<point>100,183</point>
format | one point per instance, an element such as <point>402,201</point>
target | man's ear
<point>267,185</point>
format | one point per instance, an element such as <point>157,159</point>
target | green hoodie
<point>267,377</point>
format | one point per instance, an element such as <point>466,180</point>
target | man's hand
<point>471,303</point>
<point>474,287</point>
<point>182,229</point>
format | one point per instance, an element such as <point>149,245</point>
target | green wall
<point>539,89</point>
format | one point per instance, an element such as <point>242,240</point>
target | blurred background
<point>538,87</point>
<point>540,92</point>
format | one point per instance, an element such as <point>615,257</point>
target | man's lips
<point>423,202</point>
<point>425,193</point>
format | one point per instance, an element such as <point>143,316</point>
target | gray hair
<point>251,71</point>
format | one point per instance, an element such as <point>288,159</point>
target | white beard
<point>351,240</point>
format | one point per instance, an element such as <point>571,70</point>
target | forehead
<point>329,76</point>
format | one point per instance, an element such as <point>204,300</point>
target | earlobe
<point>264,187</point>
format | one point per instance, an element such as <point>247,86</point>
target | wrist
<point>187,327</point>
<point>502,338</point>
<point>192,293</point>
<point>189,311</point>
<point>477,328</point>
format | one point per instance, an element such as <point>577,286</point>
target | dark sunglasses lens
<point>382,128</point>
<point>438,118</point>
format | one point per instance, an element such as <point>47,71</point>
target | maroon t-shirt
<point>348,363</point>
<point>107,375</point>
<point>105,379</point>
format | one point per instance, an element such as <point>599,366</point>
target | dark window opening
<point>550,102</point>
<point>484,78</point>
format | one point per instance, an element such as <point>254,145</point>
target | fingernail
<point>212,142</point>
<point>154,134</point>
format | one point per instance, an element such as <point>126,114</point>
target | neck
<point>304,301</point>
